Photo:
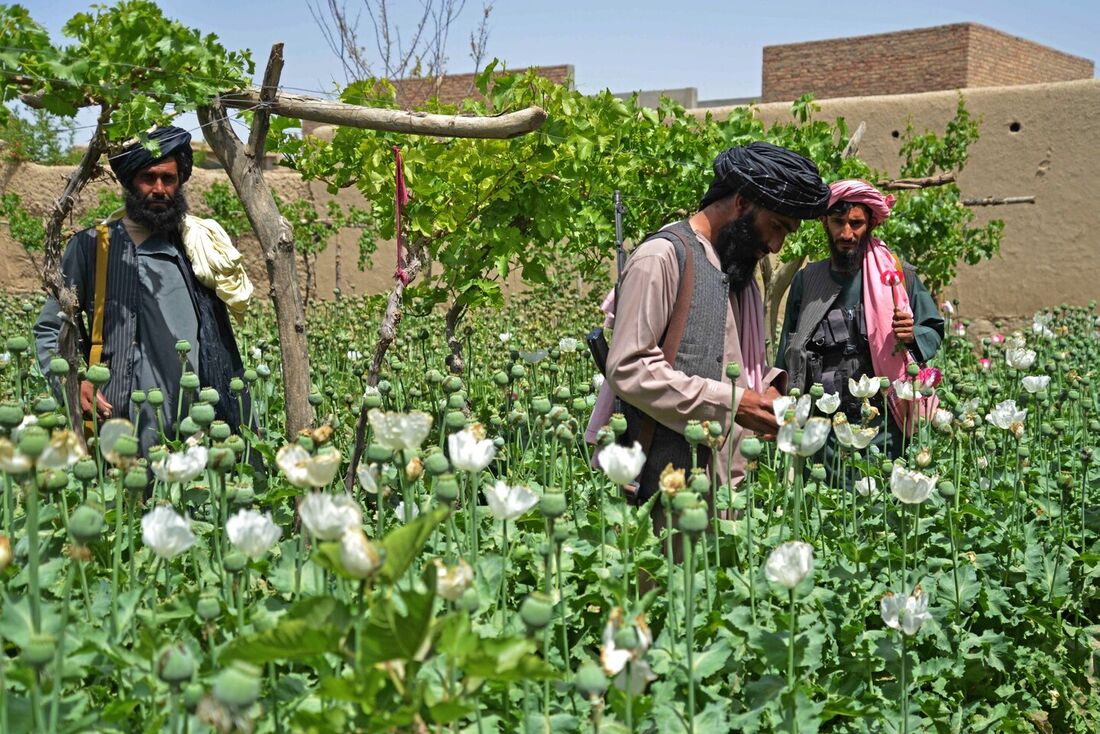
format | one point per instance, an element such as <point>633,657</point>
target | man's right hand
<point>755,413</point>
<point>103,408</point>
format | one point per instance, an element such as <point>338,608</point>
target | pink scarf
<point>751,336</point>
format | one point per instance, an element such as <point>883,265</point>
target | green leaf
<point>405,543</point>
<point>313,627</point>
<point>399,631</point>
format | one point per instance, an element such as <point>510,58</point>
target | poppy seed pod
<point>220,431</point>
<point>183,346</point>
<point>236,386</point>
<point>175,664</point>
<point>208,607</point>
<point>446,488</point>
<point>155,397</point>
<point>58,367</point>
<point>263,371</point>
<point>17,344</point>
<point>553,504</point>
<point>590,680</point>
<point>693,520</point>
<point>203,414</point>
<point>536,611</point>
<point>694,432</point>
<point>39,650</point>
<point>136,478</point>
<point>238,686</point>
<point>98,375</point>
<point>733,370</point>
<point>190,381</point>
<point>33,441</point>
<point>751,447</point>
<point>817,390</point>
<point>11,414</point>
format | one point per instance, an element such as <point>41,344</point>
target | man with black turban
<point>147,278</point>
<point>688,305</point>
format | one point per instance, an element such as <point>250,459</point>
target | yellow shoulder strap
<point>103,246</point>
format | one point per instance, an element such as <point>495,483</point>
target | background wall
<point>1037,140</point>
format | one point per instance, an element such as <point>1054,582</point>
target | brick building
<point>958,56</point>
<point>453,88</point>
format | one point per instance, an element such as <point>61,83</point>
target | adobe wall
<point>1050,253</point>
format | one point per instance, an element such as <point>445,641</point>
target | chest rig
<point>837,350</point>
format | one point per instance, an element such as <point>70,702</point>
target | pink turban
<point>861,192</point>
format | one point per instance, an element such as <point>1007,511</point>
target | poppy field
<point>475,573</point>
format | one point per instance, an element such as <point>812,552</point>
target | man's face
<point>158,183</point>
<point>745,240</point>
<point>155,199</point>
<point>848,233</point>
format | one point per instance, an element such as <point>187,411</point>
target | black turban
<point>775,178</point>
<point>174,141</point>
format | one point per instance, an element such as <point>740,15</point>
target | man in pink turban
<point>861,311</point>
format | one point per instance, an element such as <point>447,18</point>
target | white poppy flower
<point>305,470</point>
<point>855,438</point>
<point>941,419</point>
<point>567,345</point>
<point>622,464</point>
<point>613,658</point>
<point>368,477</point>
<point>804,441</point>
<point>905,613</point>
<point>452,581</point>
<point>1019,358</point>
<point>327,516</point>
<point>252,532</point>
<point>399,510</point>
<point>597,381</point>
<point>1007,417</point>
<point>1036,383</point>
<point>801,408</point>
<point>12,460</point>
<point>867,386</point>
<point>400,431</point>
<point>181,466</point>
<point>504,336</point>
<point>904,390</point>
<point>828,403</point>
<point>468,453</point>
<point>789,563</point>
<point>166,532</point>
<point>911,487</point>
<point>509,502</point>
<point>61,452</point>
<point>358,555</point>
<point>866,486</point>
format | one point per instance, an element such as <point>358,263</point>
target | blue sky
<point>714,46</point>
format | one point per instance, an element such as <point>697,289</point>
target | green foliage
<point>25,228</point>
<point>541,203</point>
<point>225,208</point>
<point>129,58</point>
<point>108,203</point>
<point>37,136</point>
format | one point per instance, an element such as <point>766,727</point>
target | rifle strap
<point>103,247</point>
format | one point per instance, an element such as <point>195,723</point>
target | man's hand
<point>103,408</point>
<point>903,327</point>
<point>755,412</point>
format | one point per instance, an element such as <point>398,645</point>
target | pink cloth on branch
<point>401,198</point>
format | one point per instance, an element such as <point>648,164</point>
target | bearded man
<point>166,277</point>
<point>695,279</point>
<point>861,311</point>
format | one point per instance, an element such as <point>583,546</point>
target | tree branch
<point>905,184</point>
<point>261,120</point>
<point>999,201</point>
<point>508,125</point>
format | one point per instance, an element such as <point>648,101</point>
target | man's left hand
<point>903,326</point>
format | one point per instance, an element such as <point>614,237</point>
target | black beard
<point>164,221</point>
<point>848,262</point>
<point>740,247</point>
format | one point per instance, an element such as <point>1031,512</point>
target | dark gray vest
<point>701,352</point>
<point>819,292</point>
